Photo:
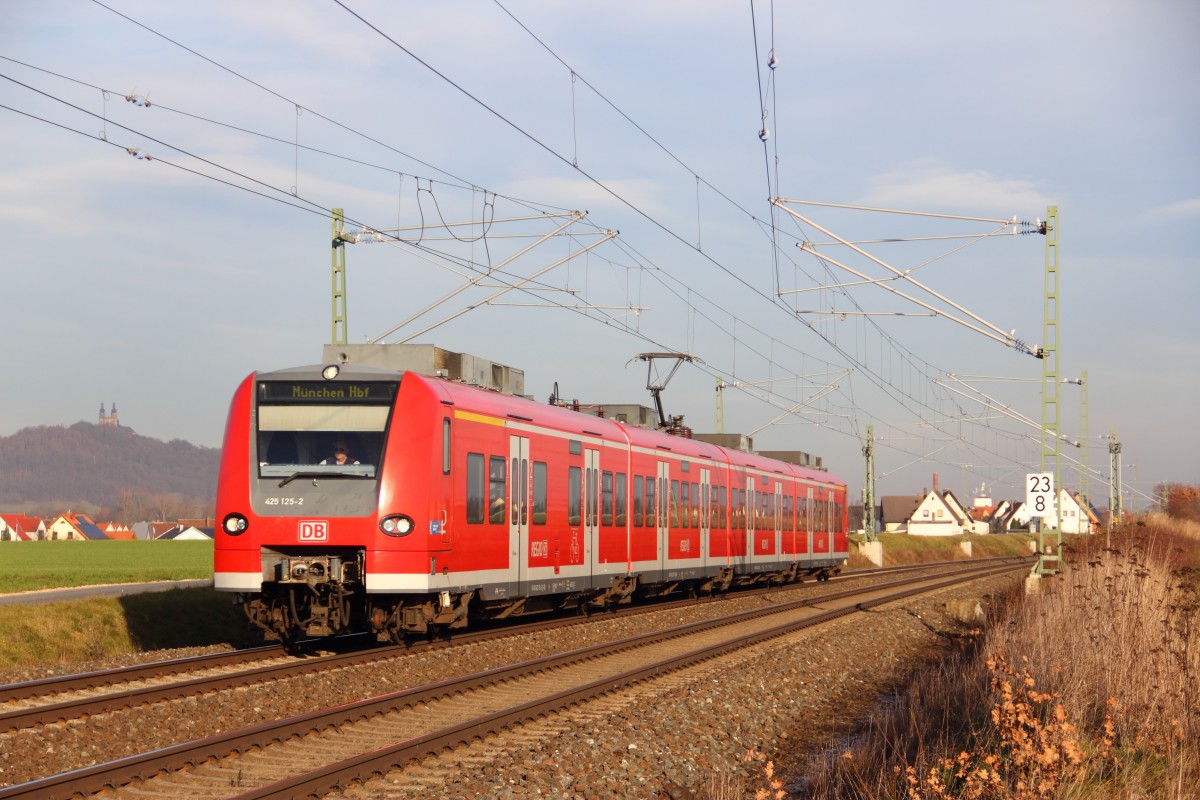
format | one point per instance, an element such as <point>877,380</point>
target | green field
<point>97,627</point>
<point>78,630</point>
<point>55,565</point>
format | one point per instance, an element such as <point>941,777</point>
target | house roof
<point>188,531</point>
<point>22,522</point>
<point>900,507</point>
<point>157,529</point>
<point>982,513</point>
<point>951,500</point>
<point>1084,506</point>
<point>90,530</point>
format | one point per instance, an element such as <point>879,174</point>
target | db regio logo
<point>313,530</point>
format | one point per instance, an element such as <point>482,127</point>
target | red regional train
<point>458,504</point>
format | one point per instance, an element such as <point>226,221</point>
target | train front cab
<point>295,526</point>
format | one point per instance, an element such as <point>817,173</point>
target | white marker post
<point>1039,494</point>
<point>1041,502</point>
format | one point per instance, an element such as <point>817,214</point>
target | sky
<point>168,174</point>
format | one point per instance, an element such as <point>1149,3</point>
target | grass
<point>102,627</point>
<point>26,566</point>
<point>1089,688</point>
<point>900,548</point>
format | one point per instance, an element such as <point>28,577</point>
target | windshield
<point>320,438</point>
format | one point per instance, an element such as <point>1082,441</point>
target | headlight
<point>234,524</point>
<point>396,525</point>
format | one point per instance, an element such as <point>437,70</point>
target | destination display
<point>366,392</point>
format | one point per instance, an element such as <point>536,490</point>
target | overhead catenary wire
<point>880,383</point>
<point>690,305</point>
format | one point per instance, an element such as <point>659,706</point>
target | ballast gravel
<point>703,734</point>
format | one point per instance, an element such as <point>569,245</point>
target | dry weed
<point>1105,702</point>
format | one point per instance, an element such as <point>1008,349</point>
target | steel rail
<point>144,695</point>
<point>123,771</point>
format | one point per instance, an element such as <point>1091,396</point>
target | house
<point>9,531</point>
<point>981,518</point>
<point>199,523</point>
<point>1016,518</point>
<point>999,513</point>
<point>156,529</point>
<point>21,528</point>
<point>74,527</point>
<point>1077,516</point>
<point>182,533</point>
<point>973,517</point>
<point>983,512</point>
<point>116,531</point>
<point>895,511</point>
<point>938,515</point>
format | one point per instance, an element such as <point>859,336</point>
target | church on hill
<point>109,418</point>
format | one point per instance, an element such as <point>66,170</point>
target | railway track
<point>63,698</point>
<point>315,752</point>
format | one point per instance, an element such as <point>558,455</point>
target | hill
<point>87,465</point>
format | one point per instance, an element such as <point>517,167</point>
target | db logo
<point>313,530</point>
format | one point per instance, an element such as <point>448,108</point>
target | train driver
<point>341,455</point>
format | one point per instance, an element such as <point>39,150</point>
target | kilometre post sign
<point>1039,494</point>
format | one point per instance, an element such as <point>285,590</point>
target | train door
<point>778,520</point>
<point>591,508</point>
<point>823,522</point>
<point>808,519</point>
<point>705,515</point>
<point>664,505</point>
<point>751,527</point>
<point>518,504</point>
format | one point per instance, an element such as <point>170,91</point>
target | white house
<point>939,515</point>
<point>21,528</point>
<point>74,527</point>
<point>1076,516</point>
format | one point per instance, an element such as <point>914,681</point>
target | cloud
<point>929,185</point>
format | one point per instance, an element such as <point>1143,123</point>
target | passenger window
<point>474,487</point>
<point>574,491</point>
<point>606,498</point>
<point>496,490</point>
<point>619,511</point>
<point>539,493</point>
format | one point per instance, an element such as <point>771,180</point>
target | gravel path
<point>682,737</point>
